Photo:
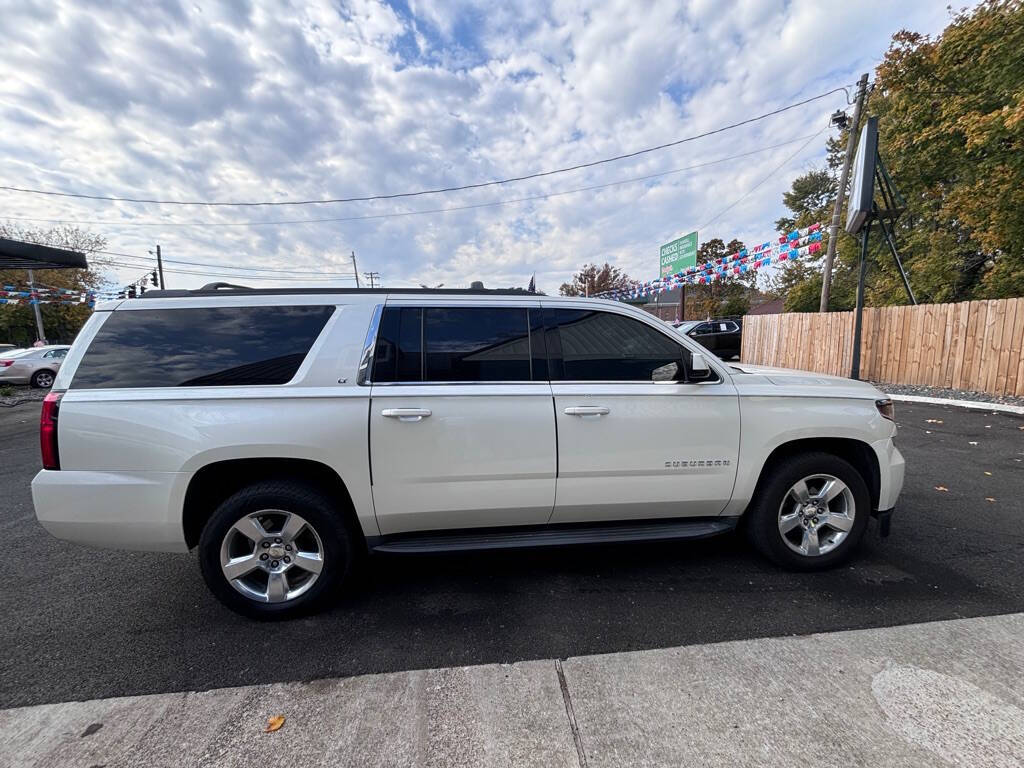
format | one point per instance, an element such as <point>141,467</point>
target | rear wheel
<point>275,550</point>
<point>42,379</point>
<point>810,513</point>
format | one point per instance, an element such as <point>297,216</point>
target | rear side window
<point>476,344</point>
<point>464,344</point>
<point>196,347</point>
<point>603,346</point>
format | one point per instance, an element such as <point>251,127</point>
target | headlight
<point>886,409</point>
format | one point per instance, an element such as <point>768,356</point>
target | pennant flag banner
<point>12,294</point>
<point>797,244</point>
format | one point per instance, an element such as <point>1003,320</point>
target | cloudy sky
<point>311,100</point>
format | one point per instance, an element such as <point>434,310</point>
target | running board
<point>550,536</point>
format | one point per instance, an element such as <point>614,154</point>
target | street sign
<point>678,255</point>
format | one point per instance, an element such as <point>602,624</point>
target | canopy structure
<point>15,254</point>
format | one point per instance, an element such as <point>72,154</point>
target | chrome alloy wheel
<point>44,380</point>
<point>816,514</point>
<point>271,556</point>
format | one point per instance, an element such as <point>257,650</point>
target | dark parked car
<point>719,336</point>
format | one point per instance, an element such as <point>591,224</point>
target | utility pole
<point>373,277</point>
<point>682,302</point>
<point>844,177</point>
<point>355,269</point>
<point>160,267</point>
<point>35,307</point>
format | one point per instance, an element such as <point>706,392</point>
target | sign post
<point>676,256</point>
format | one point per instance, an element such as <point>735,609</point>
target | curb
<point>973,404</point>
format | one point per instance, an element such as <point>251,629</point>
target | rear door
<point>635,440</point>
<point>462,432</point>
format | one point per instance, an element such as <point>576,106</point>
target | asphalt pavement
<point>83,624</point>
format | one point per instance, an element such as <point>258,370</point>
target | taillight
<point>48,430</point>
<point>6,363</point>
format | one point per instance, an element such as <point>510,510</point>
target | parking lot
<point>82,623</point>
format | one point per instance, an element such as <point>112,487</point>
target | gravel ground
<point>19,394</point>
<point>953,394</point>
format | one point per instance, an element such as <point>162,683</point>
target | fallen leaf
<point>274,723</point>
<point>941,488</point>
<point>972,442</point>
<point>989,498</point>
<point>989,474</point>
<point>933,421</point>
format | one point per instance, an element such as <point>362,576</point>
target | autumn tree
<point>593,279</point>
<point>731,296</point>
<point>951,126</point>
<point>61,321</point>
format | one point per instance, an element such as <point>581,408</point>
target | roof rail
<point>218,286</point>
<point>224,289</point>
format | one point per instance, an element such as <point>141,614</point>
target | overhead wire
<point>237,276</point>
<point>165,260</point>
<point>399,214</point>
<point>433,191</point>
<point>750,191</point>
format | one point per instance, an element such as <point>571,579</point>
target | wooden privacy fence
<point>975,345</point>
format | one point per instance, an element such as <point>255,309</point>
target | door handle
<point>406,414</point>
<point>587,410</point>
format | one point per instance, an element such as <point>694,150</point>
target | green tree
<point>592,279</point>
<point>61,321</point>
<point>951,125</point>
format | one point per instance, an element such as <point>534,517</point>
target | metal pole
<point>859,314</point>
<point>355,269</point>
<point>844,177</point>
<point>160,267</point>
<point>890,236</point>
<point>35,307</point>
<point>682,302</point>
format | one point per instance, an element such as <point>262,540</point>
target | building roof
<point>773,307</point>
<point>14,254</point>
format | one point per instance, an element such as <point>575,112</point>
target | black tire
<point>762,524</point>
<point>35,383</point>
<point>321,514</point>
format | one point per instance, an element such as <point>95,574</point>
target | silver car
<point>37,366</point>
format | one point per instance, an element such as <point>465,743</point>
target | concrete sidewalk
<point>927,694</point>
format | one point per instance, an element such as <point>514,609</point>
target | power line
<point>398,214</point>
<point>438,190</point>
<point>237,276</point>
<point>750,191</point>
<point>319,272</point>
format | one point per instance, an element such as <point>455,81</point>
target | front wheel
<point>275,550</point>
<point>811,512</point>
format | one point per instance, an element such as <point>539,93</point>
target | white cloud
<point>264,101</point>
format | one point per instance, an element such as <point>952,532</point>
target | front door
<point>462,432</point>
<point>635,441</point>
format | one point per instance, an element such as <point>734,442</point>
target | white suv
<point>283,432</point>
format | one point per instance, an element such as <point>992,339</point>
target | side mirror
<point>699,368</point>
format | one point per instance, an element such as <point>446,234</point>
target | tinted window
<point>398,354</point>
<point>476,344</point>
<point>215,346</point>
<point>602,346</point>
